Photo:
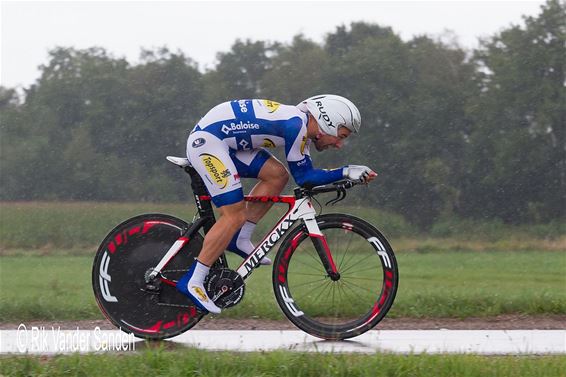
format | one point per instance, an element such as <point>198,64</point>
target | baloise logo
<point>216,169</point>
<point>239,127</point>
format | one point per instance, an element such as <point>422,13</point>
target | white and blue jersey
<point>231,141</point>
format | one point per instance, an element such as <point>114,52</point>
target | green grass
<point>435,284</point>
<point>76,225</point>
<point>191,362</point>
<point>33,225</point>
<point>463,284</point>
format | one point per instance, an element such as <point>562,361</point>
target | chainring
<point>226,287</point>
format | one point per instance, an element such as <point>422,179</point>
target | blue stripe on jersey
<point>243,129</point>
<point>292,128</point>
<point>243,109</point>
<point>305,175</point>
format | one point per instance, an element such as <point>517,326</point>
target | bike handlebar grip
<point>345,184</point>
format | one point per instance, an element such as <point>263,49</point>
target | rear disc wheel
<point>121,266</point>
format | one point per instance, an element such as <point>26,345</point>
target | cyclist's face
<point>328,141</point>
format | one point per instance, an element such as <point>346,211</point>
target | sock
<point>243,241</point>
<point>192,285</point>
<point>199,273</point>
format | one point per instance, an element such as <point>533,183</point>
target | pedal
<point>225,287</point>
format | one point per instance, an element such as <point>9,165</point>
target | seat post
<point>199,189</point>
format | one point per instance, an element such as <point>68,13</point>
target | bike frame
<point>300,208</point>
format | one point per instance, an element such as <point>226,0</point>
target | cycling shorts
<point>221,167</point>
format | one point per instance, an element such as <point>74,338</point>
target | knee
<point>279,175</point>
<point>235,215</point>
<point>274,174</point>
<point>283,176</point>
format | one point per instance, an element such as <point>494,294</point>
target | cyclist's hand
<point>359,173</point>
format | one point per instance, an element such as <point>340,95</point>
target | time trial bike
<point>335,276</point>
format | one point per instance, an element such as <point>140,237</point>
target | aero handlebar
<point>339,188</point>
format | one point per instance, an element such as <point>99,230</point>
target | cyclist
<point>230,142</point>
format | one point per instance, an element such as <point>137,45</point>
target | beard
<point>319,146</point>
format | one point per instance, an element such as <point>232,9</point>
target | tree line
<point>451,132</point>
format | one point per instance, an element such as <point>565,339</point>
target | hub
<point>334,276</point>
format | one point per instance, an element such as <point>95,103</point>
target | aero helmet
<point>332,112</point>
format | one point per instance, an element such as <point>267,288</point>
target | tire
<point>354,303</point>
<point>118,277</point>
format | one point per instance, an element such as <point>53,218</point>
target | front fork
<point>321,246</point>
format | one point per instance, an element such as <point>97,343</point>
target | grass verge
<point>193,362</point>
<point>434,284</point>
<point>68,225</point>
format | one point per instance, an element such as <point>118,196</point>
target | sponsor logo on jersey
<point>323,114</point>
<point>216,169</point>
<point>200,293</point>
<point>243,107</point>
<point>239,127</point>
<point>199,142</point>
<point>244,144</point>
<point>268,143</point>
<point>304,144</point>
<point>272,106</point>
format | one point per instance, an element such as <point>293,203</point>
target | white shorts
<point>221,167</point>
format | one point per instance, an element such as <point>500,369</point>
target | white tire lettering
<point>380,251</point>
<point>104,279</point>
<point>289,302</point>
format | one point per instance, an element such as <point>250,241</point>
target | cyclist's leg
<point>272,177</point>
<point>270,172</point>
<point>216,240</point>
<point>211,159</point>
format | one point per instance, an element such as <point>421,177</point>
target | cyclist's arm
<point>305,175</point>
<point>297,147</point>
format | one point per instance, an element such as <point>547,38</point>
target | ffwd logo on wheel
<point>216,169</point>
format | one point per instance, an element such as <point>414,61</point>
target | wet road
<point>481,342</point>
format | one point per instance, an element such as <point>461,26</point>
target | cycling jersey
<point>232,139</point>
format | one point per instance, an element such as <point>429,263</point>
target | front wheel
<point>331,308</point>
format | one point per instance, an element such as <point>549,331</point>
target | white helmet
<point>332,112</point>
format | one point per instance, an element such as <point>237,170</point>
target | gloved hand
<point>359,173</point>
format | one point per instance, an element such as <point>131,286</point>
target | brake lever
<point>340,195</point>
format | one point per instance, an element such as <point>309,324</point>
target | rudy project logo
<point>239,127</point>
<point>272,106</point>
<point>323,114</point>
<point>216,169</point>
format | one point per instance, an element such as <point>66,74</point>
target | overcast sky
<point>201,29</point>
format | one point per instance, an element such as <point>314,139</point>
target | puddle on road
<point>481,342</point>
